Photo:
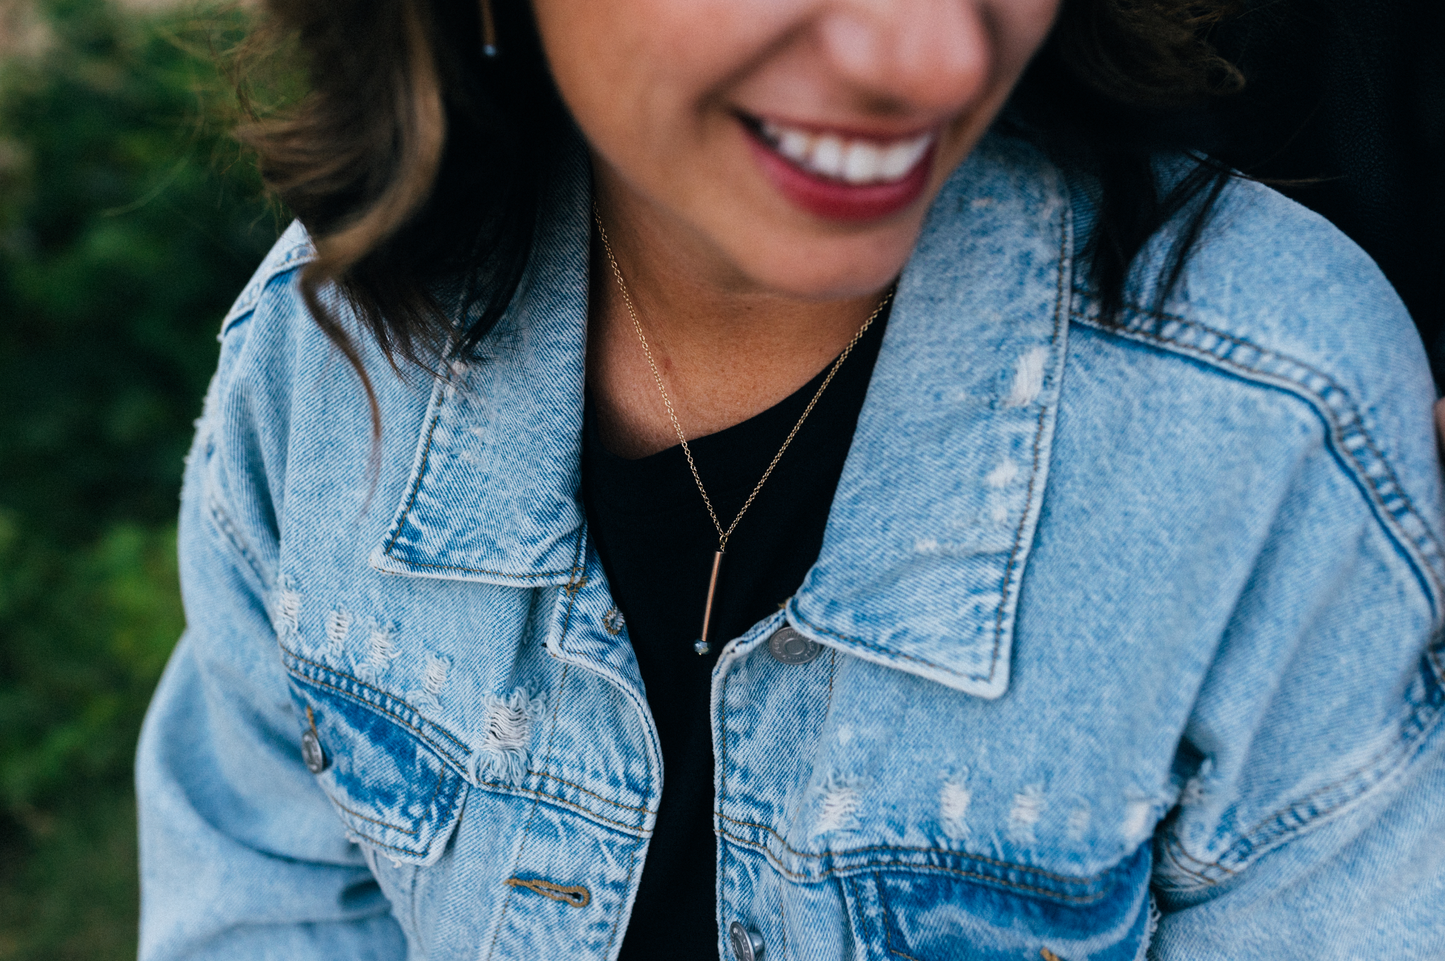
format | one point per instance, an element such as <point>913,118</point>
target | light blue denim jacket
<point>1129,635</point>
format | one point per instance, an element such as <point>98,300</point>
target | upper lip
<point>879,132</point>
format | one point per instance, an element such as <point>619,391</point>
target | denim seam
<point>526,833</point>
<point>1173,850</point>
<point>251,296</point>
<point>851,883</point>
<point>622,908</point>
<point>887,916</point>
<point>413,832</point>
<point>829,853</point>
<point>445,817</point>
<point>1425,545</point>
<point>551,723</point>
<point>1008,579</point>
<point>421,473</point>
<point>222,520</point>
<point>629,829</point>
<point>892,652</point>
<point>1292,819</point>
<point>922,868</point>
<point>783,921</point>
<point>446,756</point>
<point>326,671</point>
<point>1272,829</point>
<point>641,808</point>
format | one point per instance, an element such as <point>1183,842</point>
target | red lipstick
<point>836,199</point>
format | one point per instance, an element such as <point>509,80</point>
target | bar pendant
<point>704,643</point>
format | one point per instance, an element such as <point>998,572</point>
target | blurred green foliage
<point>127,222</point>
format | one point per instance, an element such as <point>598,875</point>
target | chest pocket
<point>393,777</point>
<point>1000,912</point>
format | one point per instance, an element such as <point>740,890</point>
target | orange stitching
<point>376,690</point>
<point>617,804</point>
<point>1173,849</point>
<point>1334,421</point>
<point>630,829</point>
<point>858,903</point>
<point>546,758</point>
<point>379,709</point>
<point>573,894</point>
<point>887,915</point>
<point>1068,879</point>
<point>1076,899</point>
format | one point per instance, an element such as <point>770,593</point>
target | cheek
<point>642,58</point>
<point>1020,28</point>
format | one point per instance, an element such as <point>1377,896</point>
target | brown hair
<point>413,158</point>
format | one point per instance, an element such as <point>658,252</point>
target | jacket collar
<point>935,511</point>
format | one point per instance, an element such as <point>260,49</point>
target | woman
<point>1003,536</point>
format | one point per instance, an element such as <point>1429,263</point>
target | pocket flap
<point>394,778</point>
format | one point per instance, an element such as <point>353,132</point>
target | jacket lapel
<point>936,509</point>
<point>493,494</point>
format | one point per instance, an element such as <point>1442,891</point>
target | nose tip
<point>930,55</point>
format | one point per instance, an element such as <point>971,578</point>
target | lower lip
<point>835,199</point>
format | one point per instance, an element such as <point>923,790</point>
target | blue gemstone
<point>702,647</point>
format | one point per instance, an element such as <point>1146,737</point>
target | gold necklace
<point>704,644</point>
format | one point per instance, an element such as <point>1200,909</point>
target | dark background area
<point>129,220</point>
<point>126,227</point>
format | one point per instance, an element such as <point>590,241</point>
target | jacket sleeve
<point>1311,822</point>
<point>242,855</point>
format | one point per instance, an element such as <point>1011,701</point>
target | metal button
<point>311,752</point>
<point>747,945</point>
<point>790,647</point>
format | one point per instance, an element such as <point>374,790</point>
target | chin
<point>827,268</point>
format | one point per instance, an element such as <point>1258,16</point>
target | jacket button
<point>747,945</point>
<point>790,647</point>
<point>311,752</point>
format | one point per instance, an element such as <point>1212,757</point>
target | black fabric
<point>656,543</point>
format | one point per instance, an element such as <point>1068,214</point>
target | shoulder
<point>285,407</point>
<point>1278,309</point>
<point>292,250</point>
<point>1271,273</point>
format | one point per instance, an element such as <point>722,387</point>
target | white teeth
<point>795,145</point>
<point>900,158</point>
<point>862,163</point>
<point>853,161</point>
<point>827,158</point>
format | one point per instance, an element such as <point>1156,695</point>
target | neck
<point>725,348</point>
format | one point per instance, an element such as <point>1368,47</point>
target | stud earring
<point>489,30</point>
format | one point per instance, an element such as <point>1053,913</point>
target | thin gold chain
<point>723,535</point>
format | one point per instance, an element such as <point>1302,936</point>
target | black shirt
<point>656,543</point>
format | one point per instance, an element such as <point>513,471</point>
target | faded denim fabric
<point>1130,634</point>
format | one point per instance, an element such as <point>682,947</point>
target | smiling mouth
<point>854,161</point>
